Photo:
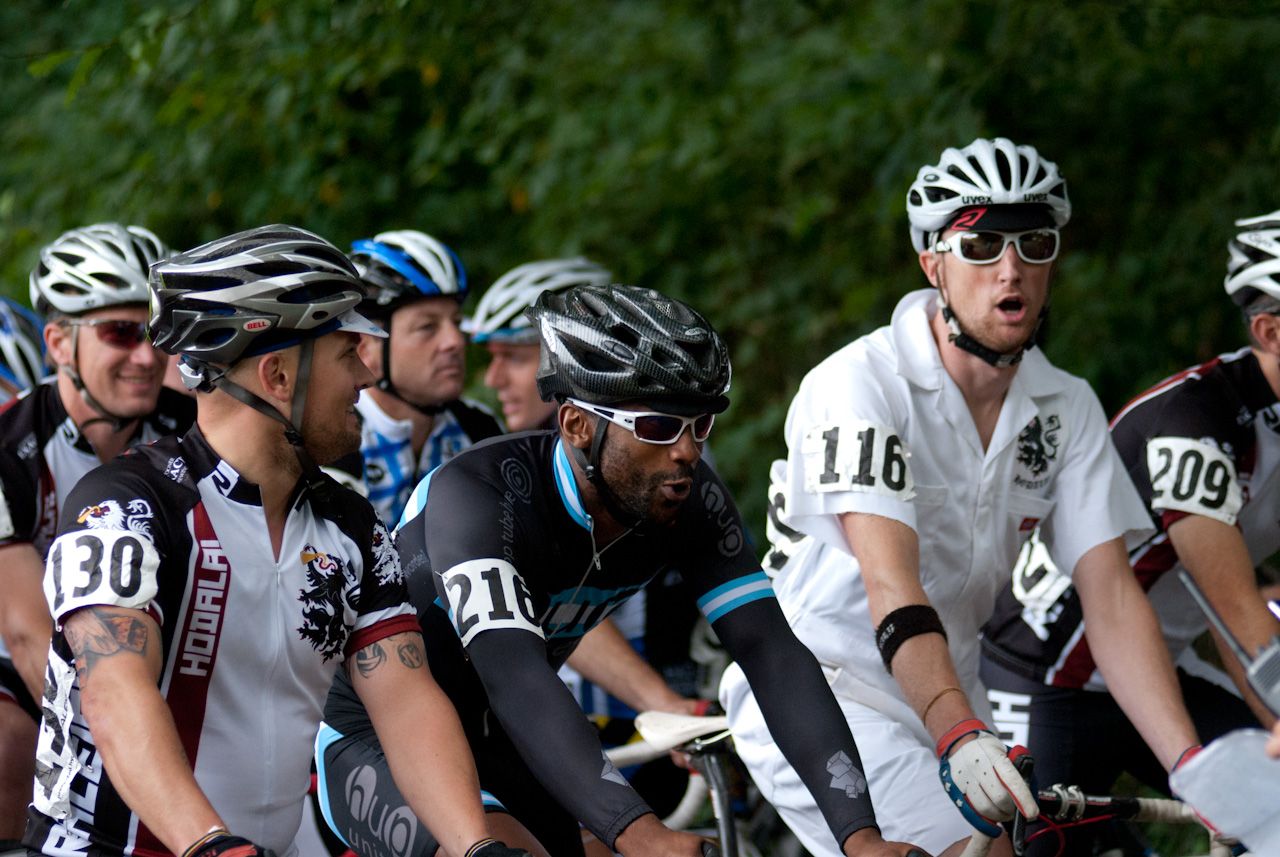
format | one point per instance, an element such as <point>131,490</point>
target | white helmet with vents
<point>1253,260</point>
<point>986,172</point>
<point>500,314</point>
<point>96,266</point>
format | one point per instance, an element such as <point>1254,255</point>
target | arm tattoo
<point>104,632</point>
<point>411,654</point>
<point>370,658</point>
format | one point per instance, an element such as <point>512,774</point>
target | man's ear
<point>57,343</point>
<point>929,263</point>
<point>575,426</point>
<point>276,373</point>
<point>370,350</point>
<point>1265,329</point>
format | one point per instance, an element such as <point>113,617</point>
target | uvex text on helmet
<point>93,267</point>
<point>500,317</point>
<point>608,344</point>
<point>252,292</point>
<point>985,172</point>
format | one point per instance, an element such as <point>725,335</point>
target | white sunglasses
<point>652,426</point>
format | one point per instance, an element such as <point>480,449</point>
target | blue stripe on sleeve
<point>732,595</point>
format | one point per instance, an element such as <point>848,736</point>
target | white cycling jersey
<point>881,428</point>
<point>251,642</point>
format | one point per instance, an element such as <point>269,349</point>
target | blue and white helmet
<point>1253,260</point>
<point>21,345</point>
<point>405,265</point>
<point>985,172</point>
<point>500,317</point>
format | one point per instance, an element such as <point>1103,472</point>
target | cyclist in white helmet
<point>500,325</point>
<point>414,419</point>
<point>920,457</point>
<point>91,287</point>
<point>1201,447</point>
<point>21,349</point>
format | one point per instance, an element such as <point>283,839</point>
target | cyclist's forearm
<point>550,732</point>
<point>24,614</point>
<point>419,729</point>
<point>1124,636</point>
<point>801,713</point>
<point>604,657</point>
<point>134,729</point>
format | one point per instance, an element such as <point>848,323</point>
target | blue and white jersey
<point>391,469</point>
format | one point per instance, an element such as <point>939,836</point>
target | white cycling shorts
<point>910,802</point>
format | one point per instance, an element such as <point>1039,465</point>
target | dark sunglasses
<point>113,331</point>
<point>1035,246</point>
<point>651,426</point>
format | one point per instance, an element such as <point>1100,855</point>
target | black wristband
<point>903,624</point>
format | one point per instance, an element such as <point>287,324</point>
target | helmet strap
<point>971,345</point>
<point>72,371</point>
<point>384,383</point>
<point>311,473</point>
<point>590,464</point>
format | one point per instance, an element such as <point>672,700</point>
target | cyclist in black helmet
<point>520,545</point>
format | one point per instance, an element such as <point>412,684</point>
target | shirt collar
<point>920,363</point>
<point>567,486</point>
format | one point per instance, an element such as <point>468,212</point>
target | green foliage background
<point>751,157</point>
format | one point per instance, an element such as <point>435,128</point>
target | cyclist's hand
<point>494,848</point>
<point>980,778</point>
<point>867,842</point>
<point>649,837</point>
<point>220,843</point>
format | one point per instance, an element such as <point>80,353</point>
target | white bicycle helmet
<point>1253,259</point>
<point>985,172</point>
<point>500,317</point>
<point>21,345</point>
<point>96,266</point>
<point>404,265</point>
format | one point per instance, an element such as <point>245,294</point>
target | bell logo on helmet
<point>256,324</point>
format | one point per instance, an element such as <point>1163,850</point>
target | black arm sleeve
<point>551,733</point>
<point>802,715</point>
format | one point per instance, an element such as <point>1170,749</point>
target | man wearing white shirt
<point>906,497</point>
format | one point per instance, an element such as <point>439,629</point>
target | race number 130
<point>856,456</point>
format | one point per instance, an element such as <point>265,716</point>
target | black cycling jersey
<point>251,638</point>
<point>506,576</point>
<point>1203,442</point>
<point>42,456</point>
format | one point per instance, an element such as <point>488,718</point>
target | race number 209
<point>1194,477</point>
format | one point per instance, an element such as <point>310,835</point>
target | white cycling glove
<point>980,777</point>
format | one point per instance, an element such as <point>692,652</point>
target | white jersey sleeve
<point>1094,499</point>
<point>112,561</point>
<point>846,449</point>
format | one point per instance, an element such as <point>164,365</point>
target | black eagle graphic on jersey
<point>322,611</point>
<point>1038,444</point>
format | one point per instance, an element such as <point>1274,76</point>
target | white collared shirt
<point>879,427</point>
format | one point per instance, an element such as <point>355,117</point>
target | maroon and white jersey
<point>1203,442</point>
<point>251,642</point>
<point>43,454</point>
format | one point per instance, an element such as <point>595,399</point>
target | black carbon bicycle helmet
<point>610,344</point>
